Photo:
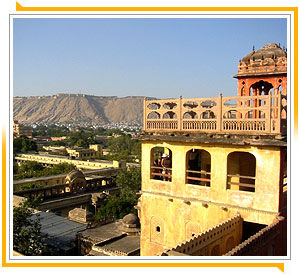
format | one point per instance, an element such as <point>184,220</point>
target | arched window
<point>241,171</point>
<point>198,165</point>
<point>161,164</point>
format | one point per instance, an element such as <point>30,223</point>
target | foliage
<point>26,231</point>
<point>23,145</point>
<point>52,130</point>
<point>116,207</point>
<point>82,143</point>
<point>30,169</point>
<point>123,147</point>
<point>58,143</point>
<point>29,186</point>
<point>130,182</point>
<point>28,166</point>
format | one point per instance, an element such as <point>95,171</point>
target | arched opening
<point>231,114</point>
<point>190,115</point>
<point>198,167</point>
<point>241,171</point>
<point>153,115</point>
<point>161,164</point>
<point>169,115</point>
<point>170,105</point>
<point>207,115</point>
<point>260,88</point>
<point>153,106</point>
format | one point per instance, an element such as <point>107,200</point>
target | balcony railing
<point>241,114</point>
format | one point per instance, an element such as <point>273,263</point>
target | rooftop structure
<point>118,238</point>
<point>259,108</point>
<point>59,233</point>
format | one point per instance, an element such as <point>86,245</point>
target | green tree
<point>82,143</point>
<point>130,183</point>
<point>30,169</point>
<point>23,145</point>
<point>30,166</point>
<point>29,186</point>
<point>116,207</point>
<point>26,231</point>
<point>123,148</point>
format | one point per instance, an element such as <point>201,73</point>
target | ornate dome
<point>269,60</point>
<point>75,174</point>
<point>271,50</point>
<point>75,181</point>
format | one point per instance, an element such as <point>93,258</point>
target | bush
<point>23,145</point>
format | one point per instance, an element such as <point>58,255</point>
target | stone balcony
<point>265,114</point>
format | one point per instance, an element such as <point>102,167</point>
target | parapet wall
<point>265,114</point>
<point>214,242</point>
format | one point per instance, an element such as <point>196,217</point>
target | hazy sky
<point>147,57</point>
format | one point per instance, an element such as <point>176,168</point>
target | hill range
<point>75,108</point>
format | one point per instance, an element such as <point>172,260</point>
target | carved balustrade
<point>240,114</point>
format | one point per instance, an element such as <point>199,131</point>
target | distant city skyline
<point>164,57</point>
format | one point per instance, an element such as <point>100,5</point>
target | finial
<point>253,49</point>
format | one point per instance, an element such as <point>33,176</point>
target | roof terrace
<point>264,114</point>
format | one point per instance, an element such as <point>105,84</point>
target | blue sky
<point>147,57</point>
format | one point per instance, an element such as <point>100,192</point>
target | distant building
<point>21,130</point>
<point>93,152</point>
<point>50,160</point>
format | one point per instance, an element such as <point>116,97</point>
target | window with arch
<point>198,165</point>
<point>161,164</point>
<point>241,171</point>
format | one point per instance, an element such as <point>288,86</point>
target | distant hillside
<point>78,108</point>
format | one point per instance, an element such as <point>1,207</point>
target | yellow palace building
<point>223,188</point>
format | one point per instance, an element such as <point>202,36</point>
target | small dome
<point>130,219</point>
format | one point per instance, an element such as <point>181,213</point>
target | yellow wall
<point>186,206</point>
<point>80,164</point>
